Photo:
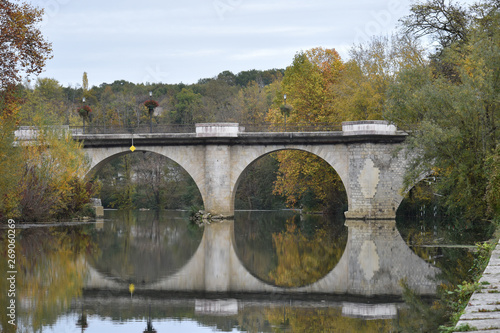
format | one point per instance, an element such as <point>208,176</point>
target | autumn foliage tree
<point>308,83</point>
<point>41,176</point>
<point>23,50</point>
<point>361,90</point>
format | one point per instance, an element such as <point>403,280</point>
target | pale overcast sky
<point>183,41</point>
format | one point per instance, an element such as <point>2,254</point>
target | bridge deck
<point>243,138</point>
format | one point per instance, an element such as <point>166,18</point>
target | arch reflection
<point>288,249</point>
<point>143,247</point>
<point>374,262</point>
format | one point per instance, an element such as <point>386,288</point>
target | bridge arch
<point>188,161</point>
<point>422,179</point>
<point>245,158</point>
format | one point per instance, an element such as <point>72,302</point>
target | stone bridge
<point>369,157</point>
<point>374,262</point>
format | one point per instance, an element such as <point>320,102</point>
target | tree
<point>159,177</point>
<point>85,82</point>
<point>253,102</point>
<point>46,98</point>
<point>146,180</point>
<point>218,99</point>
<point>188,102</point>
<point>308,83</point>
<point>54,166</point>
<point>23,50</point>
<point>362,86</point>
<point>446,20</point>
<point>255,190</point>
<point>308,181</point>
<point>126,188</point>
<point>455,118</point>
<point>10,162</point>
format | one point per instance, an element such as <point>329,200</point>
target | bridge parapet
<point>218,130</point>
<point>374,127</point>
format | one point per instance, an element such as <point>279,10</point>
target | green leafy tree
<point>454,117</point>
<point>255,190</point>
<point>47,98</point>
<point>126,188</point>
<point>188,104</point>
<point>10,162</point>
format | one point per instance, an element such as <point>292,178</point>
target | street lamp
<point>151,104</point>
<point>83,106</point>
<point>285,109</point>
<point>149,327</point>
<point>82,320</point>
<point>284,101</point>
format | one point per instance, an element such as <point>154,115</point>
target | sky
<point>153,41</point>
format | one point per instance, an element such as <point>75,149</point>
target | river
<point>141,271</point>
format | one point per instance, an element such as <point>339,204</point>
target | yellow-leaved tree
<point>52,182</point>
<point>360,91</point>
<point>320,88</point>
<point>305,179</point>
<point>307,84</point>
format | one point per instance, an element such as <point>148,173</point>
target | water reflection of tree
<point>254,233</point>
<point>429,243</point>
<point>51,272</point>
<point>303,260</point>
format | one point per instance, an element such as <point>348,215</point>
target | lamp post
<point>285,109</point>
<point>83,105</point>
<point>149,327</point>
<point>82,320</point>
<point>151,105</point>
<point>284,101</point>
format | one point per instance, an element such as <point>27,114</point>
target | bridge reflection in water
<point>375,261</point>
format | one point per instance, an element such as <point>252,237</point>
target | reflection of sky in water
<point>96,324</point>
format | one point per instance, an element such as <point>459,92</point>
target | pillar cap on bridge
<point>217,130</point>
<point>368,127</point>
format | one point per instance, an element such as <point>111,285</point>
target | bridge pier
<point>218,190</point>
<point>375,181</point>
<point>218,249</point>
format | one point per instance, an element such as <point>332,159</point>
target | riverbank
<point>483,310</point>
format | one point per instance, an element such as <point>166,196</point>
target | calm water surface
<point>116,275</point>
